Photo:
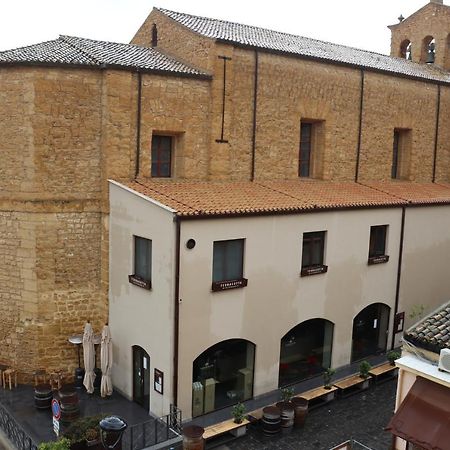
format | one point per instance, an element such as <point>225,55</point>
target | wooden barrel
<point>287,414</point>
<point>193,438</point>
<point>70,409</point>
<point>301,410</point>
<point>271,420</point>
<point>43,396</point>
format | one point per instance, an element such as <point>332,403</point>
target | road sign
<point>56,426</point>
<point>56,409</point>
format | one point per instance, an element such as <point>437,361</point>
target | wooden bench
<point>384,372</point>
<point>319,396</point>
<point>222,429</point>
<point>352,385</point>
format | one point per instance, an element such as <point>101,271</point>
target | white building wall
<point>277,298</point>
<point>426,261</point>
<point>138,316</point>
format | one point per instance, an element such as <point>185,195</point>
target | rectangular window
<point>228,264</point>
<point>162,156</point>
<point>395,155</point>
<point>142,276</point>
<point>304,169</point>
<point>377,244</point>
<point>401,150</point>
<point>312,253</point>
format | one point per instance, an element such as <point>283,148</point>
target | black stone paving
<point>362,417</point>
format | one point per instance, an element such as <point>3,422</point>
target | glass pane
<point>305,351</point>
<point>223,376</point>
<point>142,257</point>
<point>219,261</point>
<point>234,260</point>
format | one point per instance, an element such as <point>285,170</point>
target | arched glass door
<point>370,331</point>
<point>141,377</point>
<point>305,351</point>
<point>222,376</point>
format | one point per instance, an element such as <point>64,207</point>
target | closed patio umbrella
<point>106,362</point>
<point>89,358</point>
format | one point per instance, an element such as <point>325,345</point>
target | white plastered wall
<point>138,316</point>
<point>277,298</point>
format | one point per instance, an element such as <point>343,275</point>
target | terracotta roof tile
<point>305,47</point>
<point>415,193</point>
<point>269,197</point>
<point>432,333</point>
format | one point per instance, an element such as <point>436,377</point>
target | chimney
<point>439,2</point>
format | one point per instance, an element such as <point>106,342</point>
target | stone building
<point>195,100</point>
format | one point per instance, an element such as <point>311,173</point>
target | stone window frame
<point>309,166</point>
<point>157,162</point>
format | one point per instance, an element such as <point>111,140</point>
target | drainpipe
<point>255,101</point>
<point>177,301</point>
<point>436,132</point>
<point>361,106</point>
<point>399,272</point>
<point>138,125</point>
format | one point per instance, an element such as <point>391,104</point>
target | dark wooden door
<point>141,377</point>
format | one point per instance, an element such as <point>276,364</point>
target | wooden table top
<point>222,427</point>
<point>350,381</point>
<point>383,368</point>
<point>318,392</point>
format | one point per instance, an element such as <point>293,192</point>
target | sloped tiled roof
<point>208,199</point>
<point>87,52</point>
<point>262,38</point>
<point>432,333</point>
<point>415,193</point>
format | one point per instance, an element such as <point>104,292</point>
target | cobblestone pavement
<point>362,417</point>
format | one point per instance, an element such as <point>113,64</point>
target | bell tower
<point>424,37</point>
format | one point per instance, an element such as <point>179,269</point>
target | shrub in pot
<point>327,377</point>
<point>238,413</point>
<point>392,356</point>
<point>364,369</point>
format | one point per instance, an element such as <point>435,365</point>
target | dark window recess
<point>154,35</point>
<point>161,156</point>
<point>312,253</point>
<point>395,156</point>
<point>142,276</point>
<point>304,167</point>
<point>377,244</point>
<point>228,262</point>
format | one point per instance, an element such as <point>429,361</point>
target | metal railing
<point>154,431</point>
<point>14,432</point>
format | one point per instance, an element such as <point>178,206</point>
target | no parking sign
<point>56,410</point>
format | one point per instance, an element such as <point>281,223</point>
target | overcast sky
<point>358,23</point>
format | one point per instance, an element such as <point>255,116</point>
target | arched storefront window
<point>222,376</point>
<point>370,331</point>
<point>305,351</point>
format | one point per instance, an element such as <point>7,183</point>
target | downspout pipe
<point>399,271</point>
<point>138,125</point>
<point>255,104</point>
<point>177,300</point>
<point>361,108</point>
<point>436,131</point>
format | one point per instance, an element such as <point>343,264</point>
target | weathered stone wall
<point>443,147</point>
<point>178,107</point>
<point>397,103</point>
<point>177,41</point>
<point>431,20</point>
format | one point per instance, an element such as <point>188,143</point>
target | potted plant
<point>364,369</point>
<point>327,376</point>
<point>392,356</point>
<point>61,444</point>
<point>238,413</point>
<point>92,437</point>
<point>287,394</point>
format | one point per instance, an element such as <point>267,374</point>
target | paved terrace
<point>18,405</point>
